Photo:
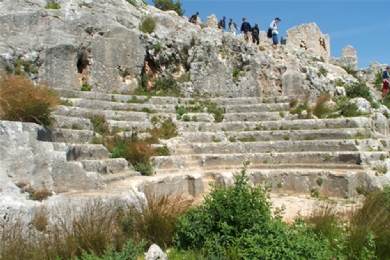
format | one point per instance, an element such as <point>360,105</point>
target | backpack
<point>269,33</point>
<point>220,24</point>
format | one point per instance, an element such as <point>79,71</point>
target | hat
<point>277,18</point>
<point>197,12</point>
<point>224,17</point>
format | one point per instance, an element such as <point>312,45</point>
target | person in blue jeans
<point>275,32</point>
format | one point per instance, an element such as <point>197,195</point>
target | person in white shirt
<point>275,32</point>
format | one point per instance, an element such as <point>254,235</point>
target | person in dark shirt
<point>222,24</point>
<point>255,34</point>
<point>246,29</point>
<point>194,18</point>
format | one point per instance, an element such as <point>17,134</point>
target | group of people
<point>246,29</point>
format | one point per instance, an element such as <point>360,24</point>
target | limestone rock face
<point>348,58</point>
<point>310,38</point>
<point>155,253</point>
<point>212,21</point>
<point>24,159</point>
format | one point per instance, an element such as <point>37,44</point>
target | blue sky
<point>364,24</point>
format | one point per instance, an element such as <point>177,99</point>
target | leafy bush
<point>235,222</point>
<point>148,24</point>
<point>166,5</point>
<point>359,90</point>
<point>349,110</point>
<point>145,168</point>
<point>20,100</point>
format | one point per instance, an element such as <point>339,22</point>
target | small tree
<point>148,24</point>
<point>166,5</point>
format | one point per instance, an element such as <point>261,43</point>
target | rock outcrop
<point>348,58</point>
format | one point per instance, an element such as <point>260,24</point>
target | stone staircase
<point>291,155</point>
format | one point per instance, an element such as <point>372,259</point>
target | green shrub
<point>236,74</point>
<point>166,5</point>
<point>20,100</point>
<point>85,87</point>
<point>145,168</point>
<point>133,3</point>
<point>359,90</point>
<point>349,110</point>
<point>378,81</point>
<point>148,24</point>
<point>52,4</point>
<point>100,124</point>
<point>236,222</point>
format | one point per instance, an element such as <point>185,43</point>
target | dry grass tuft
<point>153,217</point>
<point>20,100</point>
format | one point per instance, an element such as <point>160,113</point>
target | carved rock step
<point>119,176</point>
<point>336,123</point>
<point>154,100</point>
<point>129,125</point>
<point>72,123</point>
<point>118,106</point>
<point>66,135</point>
<point>270,135</point>
<point>248,108</point>
<point>274,158</point>
<point>109,114</point>
<point>105,166</point>
<point>252,116</point>
<point>79,152</point>
<point>277,146</point>
<point>213,170</point>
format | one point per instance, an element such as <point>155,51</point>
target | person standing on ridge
<point>246,29</point>
<point>275,32</point>
<point>222,24</point>
<point>194,18</point>
<point>386,80</point>
<point>255,34</point>
<point>232,26</point>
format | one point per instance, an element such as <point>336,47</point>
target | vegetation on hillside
<point>166,5</point>
<point>20,100</point>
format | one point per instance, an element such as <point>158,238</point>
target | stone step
<point>66,135</point>
<point>257,167</point>
<point>81,112</point>
<point>80,152</point>
<point>317,159</point>
<point>299,124</point>
<point>119,176</point>
<point>105,166</point>
<point>118,106</point>
<point>279,146</point>
<point>272,135</point>
<point>126,126</point>
<point>154,100</point>
<point>258,107</point>
<point>74,123</point>
<point>252,117</point>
